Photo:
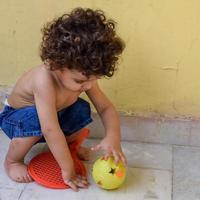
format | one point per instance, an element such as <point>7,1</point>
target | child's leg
<point>14,161</point>
<point>23,128</point>
<point>83,152</point>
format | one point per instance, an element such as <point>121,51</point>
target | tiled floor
<point>155,172</point>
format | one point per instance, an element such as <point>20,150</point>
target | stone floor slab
<point>9,194</point>
<point>186,174</point>
<point>140,184</point>
<point>143,155</point>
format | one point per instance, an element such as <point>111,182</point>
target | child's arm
<point>45,100</point>
<point>111,143</point>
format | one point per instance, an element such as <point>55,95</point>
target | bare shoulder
<point>36,79</point>
<point>44,90</point>
<point>42,79</point>
<point>35,76</point>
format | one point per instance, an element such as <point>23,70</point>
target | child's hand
<point>75,181</point>
<point>111,147</point>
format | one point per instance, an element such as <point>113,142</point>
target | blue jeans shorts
<point>24,122</point>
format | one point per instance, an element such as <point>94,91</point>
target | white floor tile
<point>140,184</point>
<point>186,177</point>
<point>9,194</point>
<point>143,155</point>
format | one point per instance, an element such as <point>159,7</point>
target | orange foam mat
<point>45,170</point>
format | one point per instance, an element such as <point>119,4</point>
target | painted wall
<point>160,68</point>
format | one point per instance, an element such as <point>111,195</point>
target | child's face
<point>75,81</point>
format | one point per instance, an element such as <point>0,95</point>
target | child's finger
<point>123,158</point>
<point>80,183</point>
<point>106,156</point>
<point>116,157</point>
<point>83,179</point>
<point>72,185</point>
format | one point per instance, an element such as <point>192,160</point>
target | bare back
<point>23,94</point>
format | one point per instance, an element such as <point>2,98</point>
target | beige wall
<point>159,72</point>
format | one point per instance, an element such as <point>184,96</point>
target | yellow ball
<point>107,174</point>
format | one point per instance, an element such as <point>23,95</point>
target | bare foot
<point>84,153</point>
<point>17,171</point>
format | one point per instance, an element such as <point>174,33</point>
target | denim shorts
<point>24,122</point>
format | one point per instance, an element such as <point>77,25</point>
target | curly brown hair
<point>83,40</point>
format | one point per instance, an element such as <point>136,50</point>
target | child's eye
<point>79,82</point>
